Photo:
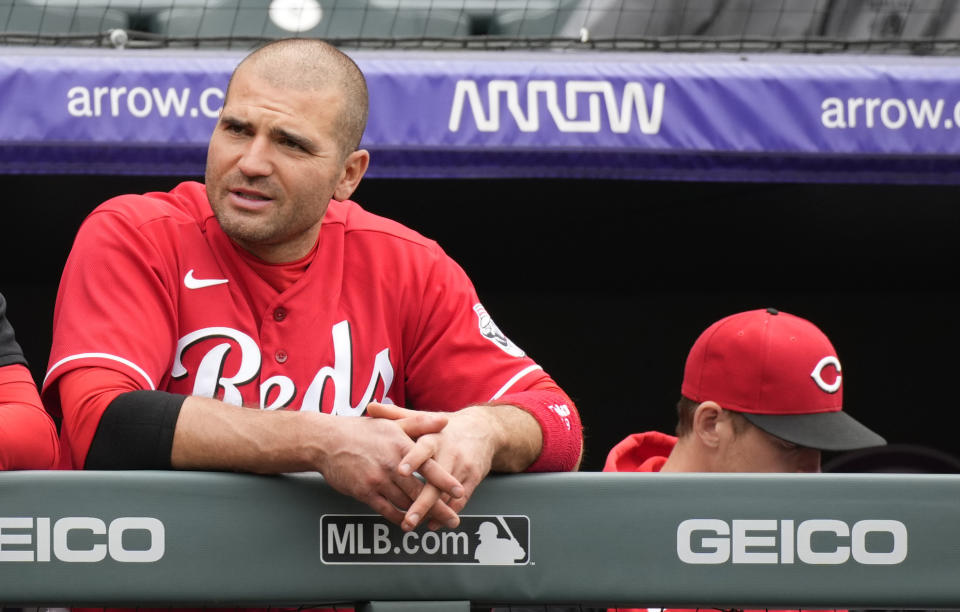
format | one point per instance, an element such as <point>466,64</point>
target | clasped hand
<point>461,450</point>
<point>377,460</point>
<point>362,458</point>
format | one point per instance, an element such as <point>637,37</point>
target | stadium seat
<point>605,19</point>
<point>890,20</point>
<point>950,23</point>
<point>779,19</point>
<point>542,19</point>
<point>328,19</point>
<point>63,18</point>
<point>645,18</point>
<point>136,11</point>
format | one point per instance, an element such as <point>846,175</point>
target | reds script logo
<point>210,375</point>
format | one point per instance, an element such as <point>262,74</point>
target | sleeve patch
<point>490,331</point>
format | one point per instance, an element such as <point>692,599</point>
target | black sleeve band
<point>136,432</point>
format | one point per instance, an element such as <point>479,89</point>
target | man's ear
<point>707,423</point>
<point>354,167</point>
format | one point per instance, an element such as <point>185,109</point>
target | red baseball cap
<point>782,373</point>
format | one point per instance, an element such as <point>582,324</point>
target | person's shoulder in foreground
<point>762,392</point>
<point>28,436</point>
<point>265,287</point>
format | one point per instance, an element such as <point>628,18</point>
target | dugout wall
<point>680,540</point>
<point>609,206</point>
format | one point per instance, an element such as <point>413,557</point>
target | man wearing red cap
<point>762,392</point>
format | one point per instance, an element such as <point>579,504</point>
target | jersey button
<point>280,314</point>
<point>281,356</point>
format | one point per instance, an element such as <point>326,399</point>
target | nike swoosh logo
<point>199,283</point>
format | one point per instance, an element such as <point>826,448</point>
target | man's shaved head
<point>308,64</point>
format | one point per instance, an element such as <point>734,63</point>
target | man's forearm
<point>561,441</point>
<point>519,439</point>
<point>217,436</point>
<point>355,455</point>
<point>159,430</point>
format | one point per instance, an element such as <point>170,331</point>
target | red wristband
<point>560,423</point>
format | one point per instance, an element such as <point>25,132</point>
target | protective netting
<point>811,26</point>
<point>360,606</point>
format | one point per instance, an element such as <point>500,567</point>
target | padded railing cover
<point>782,541</point>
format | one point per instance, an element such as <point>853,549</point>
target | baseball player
<point>232,325</point>
<point>762,392</point>
<point>28,437</point>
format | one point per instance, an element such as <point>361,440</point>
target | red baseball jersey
<point>28,437</point>
<point>155,289</point>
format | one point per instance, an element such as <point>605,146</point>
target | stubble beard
<point>260,232</point>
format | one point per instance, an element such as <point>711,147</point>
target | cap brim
<point>829,431</point>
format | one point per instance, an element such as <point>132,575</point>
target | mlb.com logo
<point>369,539</point>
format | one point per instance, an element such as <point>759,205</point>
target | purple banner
<point>499,114</point>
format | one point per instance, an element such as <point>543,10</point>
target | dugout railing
<point>681,540</point>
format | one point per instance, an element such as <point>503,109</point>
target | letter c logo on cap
<point>817,374</point>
